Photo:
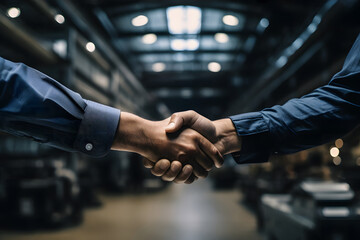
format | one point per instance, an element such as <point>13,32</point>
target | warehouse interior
<point>154,58</point>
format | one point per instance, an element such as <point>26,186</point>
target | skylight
<point>184,19</point>
<point>184,44</point>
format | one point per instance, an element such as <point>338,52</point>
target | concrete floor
<point>181,212</point>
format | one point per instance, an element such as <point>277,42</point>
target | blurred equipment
<point>36,190</point>
<point>314,210</point>
<point>224,178</point>
<point>227,176</point>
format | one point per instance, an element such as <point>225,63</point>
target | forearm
<point>36,106</point>
<point>325,114</point>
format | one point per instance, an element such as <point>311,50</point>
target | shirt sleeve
<point>36,106</point>
<point>325,114</point>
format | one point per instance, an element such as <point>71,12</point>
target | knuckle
<point>181,156</point>
<point>214,151</point>
<point>166,179</point>
<point>153,172</point>
<point>191,111</point>
<point>203,174</point>
<point>210,166</point>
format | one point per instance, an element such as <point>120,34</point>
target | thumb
<point>175,124</point>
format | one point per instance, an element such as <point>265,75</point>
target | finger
<point>199,171</point>
<point>211,152</point>
<point>160,167</point>
<point>172,173</point>
<point>204,161</point>
<point>147,163</point>
<point>191,179</point>
<point>178,120</point>
<point>184,174</point>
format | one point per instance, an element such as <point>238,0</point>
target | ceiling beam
<point>25,40</point>
<point>242,33</point>
<point>131,6</point>
<point>232,51</point>
<point>84,25</point>
<point>273,77</point>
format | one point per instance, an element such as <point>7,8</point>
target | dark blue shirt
<point>35,106</point>
<point>325,114</point>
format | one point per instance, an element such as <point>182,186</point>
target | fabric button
<point>89,147</point>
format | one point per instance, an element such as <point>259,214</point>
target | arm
<point>325,114</point>
<point>34,105</point>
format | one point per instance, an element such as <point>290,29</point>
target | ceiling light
<point>59,19</point>
<point>158,67</point>
<point>312,28</point>
<point>221,37</point>
<point>149,38</point>
<point>339,143</point>
<point>230,20</point>
<point>337,160</point>
<point>281,61</point>
<point>317,19</point>
<point>184,19</point>
<point>264,23</point>
<point>184,45</point>
<point>298,43</point>
<point>186,93</point>
<point>13,12</point>
<point>178,44</point>
<point>214,67</point>
<point>334,152</point>
<point>139,21</point>
<point>90,47</point>
<point>60,47</point>
<point>192,44</point>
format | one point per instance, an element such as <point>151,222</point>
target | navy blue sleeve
<point>36,106</point>
<point>325,114</point>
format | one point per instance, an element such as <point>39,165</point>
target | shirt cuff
<point>97,129</point>
<point>254,132</point>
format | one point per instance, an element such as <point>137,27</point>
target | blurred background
<point>153,58</point>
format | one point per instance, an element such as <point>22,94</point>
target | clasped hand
<point>182,148</point>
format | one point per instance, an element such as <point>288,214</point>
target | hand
<point>222,133</point>
<point>150,139</point>
<point>171,171</point>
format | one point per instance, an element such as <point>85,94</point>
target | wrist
<point>139,135</point>
<point>130,135</point>
<point>228,140</point>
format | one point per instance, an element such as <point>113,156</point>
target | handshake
<point>182,148</point>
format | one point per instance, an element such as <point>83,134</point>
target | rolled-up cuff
<point>254,133</point>
<point>97,129</point>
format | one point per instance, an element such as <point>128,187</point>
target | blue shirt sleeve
<point>325,114</point>
<point>36,106</point>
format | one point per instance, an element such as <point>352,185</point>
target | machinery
<point>37,190</point>
<point>313,210</point>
